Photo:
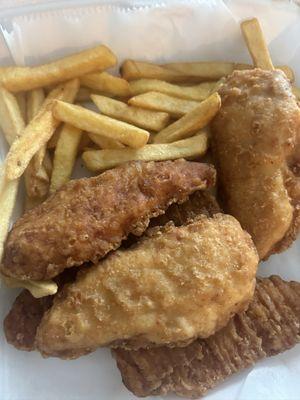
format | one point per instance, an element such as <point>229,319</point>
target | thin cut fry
<point>163,102</point>
<point>98,58</point>
<point>8,194</point>
<point>152,120</point>
<point>37,132</point>
<point>92,122</point>
<point>105,142</point>
<point>106,84</point>
<point>196,92</point>
<point>100,160</point>
<point>131,70</point>
<point>11,121</point>
<point>205,70</point>
<point>36,288</point>
<point>256,44</point>
<point>21,99</point>
<point>64,156</point>
<point>36,176</point>
<point>190,122</point>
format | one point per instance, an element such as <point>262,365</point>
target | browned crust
<point>270,325</point>
<point>89,217</point>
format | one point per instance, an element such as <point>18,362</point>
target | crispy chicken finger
<point>256,146</point>
<point>270,326</point>
<point>177,284</point>
<point>89,217</point>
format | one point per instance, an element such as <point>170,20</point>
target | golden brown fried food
<point>89,217</point>
<point>175,285</point>
<point>270,326</point>
<point>21,322</point>
<point>256,144</point>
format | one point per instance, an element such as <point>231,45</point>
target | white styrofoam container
<point>37,31</point>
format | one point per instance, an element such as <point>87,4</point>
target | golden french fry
<point>105,142</point>
<point>64,156</point>
<point>191,122</point>
<point>21,99</point>
<point>256,44</point>
<point>100,160</point>
<point>196,92</point>
<point>36,288</point>
<point>8,194</point>
<point>152,120</point>
<point>98,58</point>
<point>205,70</point>
<point>131,70</point>
<point>35,99</point>
<point>37,132</point>
<point>106,84</point>
<point>162,102</point>
<point>11,121</point>
<point>92,122</point>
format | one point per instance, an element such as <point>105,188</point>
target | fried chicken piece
<point>256,145</point>
<point>21,323</point>
<point>175,285</point>
<point>270,326</point>
<point>89,217</point>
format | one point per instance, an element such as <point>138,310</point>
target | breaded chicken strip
<point>270,326</point>
<point>256,145</point>
<point>23,319</point>
<point>175,285</point>
<point>89,217</point>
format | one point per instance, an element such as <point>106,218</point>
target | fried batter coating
<point>256,145</point>
<point>21,322</point>
<point>270,326</point>
<point>175,285</point>
<point>89,217</point>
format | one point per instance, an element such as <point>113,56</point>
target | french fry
<point>36,288</point>
<point>93,122</point>
<point>190,122</point>
<point>37,132</point>
<point>207,71</point>
<point>196,92</point>
<point>100,160</point>
<point>256,44</point>
<point>98,58</point>
<point>21,99</point>
<point>105,142</point>
<point>11,121</point>
<point>131,70</point>
<point>162,102</point>
<point>52,142</point>
<point>106,84</point>
<point>64,156</point>
<point>36,177</point>
<point>8,194</point>
<point>151,120</point>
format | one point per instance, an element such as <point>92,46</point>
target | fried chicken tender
<point>270,326</point>
<point>23,319</point>
<point>89,217</point>
<point>256,145</point>
<point>175,285</point>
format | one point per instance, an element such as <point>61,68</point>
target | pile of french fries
<point>151,112</point>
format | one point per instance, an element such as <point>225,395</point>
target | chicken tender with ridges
<point>174,285</point>
<point>89,217</point>
<point>270,326</point>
